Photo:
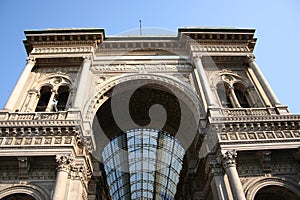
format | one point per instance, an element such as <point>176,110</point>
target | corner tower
<point>188,116</point>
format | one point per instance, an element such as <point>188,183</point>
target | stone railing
<point>29,116</point>
<point>245,115</point>
<point>248,111</point>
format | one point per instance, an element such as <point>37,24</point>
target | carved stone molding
<point>229,159</point>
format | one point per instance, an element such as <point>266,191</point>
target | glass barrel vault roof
<point>143,164</point>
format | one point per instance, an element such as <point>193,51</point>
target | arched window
<point>45,94</point>
<point>223,96</point>
<point>241,95</point>
<point>62,97</point>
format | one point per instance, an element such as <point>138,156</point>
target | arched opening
<point>241,95</point>
<point>18,196</point>
<point>45,94</point>
<point>223,96</point>
<point>275,193</point>
<point>143,159</point>
<point>62,97</point>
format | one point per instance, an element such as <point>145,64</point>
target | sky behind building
<point>277,25</point>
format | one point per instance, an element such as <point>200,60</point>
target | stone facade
<point>240,142</point>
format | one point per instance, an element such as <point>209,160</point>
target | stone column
<point>204,81</point>
<point>51,103</point>
<point>20,85</point>
<point>229,164</point>
<point>214,168</point>
<point>263,81</point>
<point>79,97</point>
<point>234,100</point>
<point>28,105</point>
<point>63,170</point>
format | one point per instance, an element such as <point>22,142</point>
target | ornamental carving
<point>64,162</point>
<point>229,159</point>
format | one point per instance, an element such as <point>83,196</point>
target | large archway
<point>275,193</point>
<point>143,125</point>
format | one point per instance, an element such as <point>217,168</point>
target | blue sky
<point>277,23</point>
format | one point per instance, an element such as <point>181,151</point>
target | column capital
<point>31,60</point>
<point>229,158</point>
<point>64,162</point>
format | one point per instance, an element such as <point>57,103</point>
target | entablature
<point>45,124</point>
<point>63,37</point>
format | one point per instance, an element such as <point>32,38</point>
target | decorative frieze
<point>141,68</point>
<point>37,141</point>
<point>61,50</point>
<point>220,48</point>
<point>254,115</point>
<point>259,136</point>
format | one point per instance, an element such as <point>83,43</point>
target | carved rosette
<point>64,162</point>
<point>229,159</point>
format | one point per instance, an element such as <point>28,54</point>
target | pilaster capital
<point>64,162</point>
<point>31,60</point>
<point>229,158</point>
<point>250,58</point>
<point>214,166</point>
